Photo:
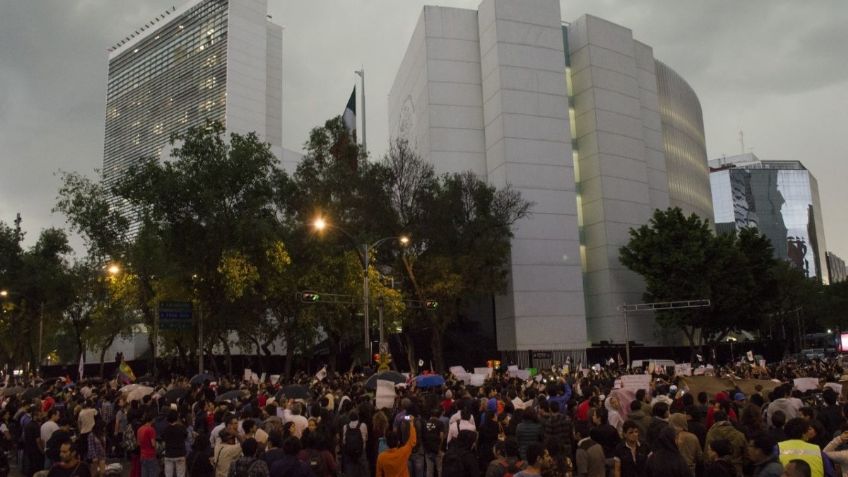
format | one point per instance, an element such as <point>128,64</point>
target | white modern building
<point>585,123</point>
<point>218,60</point>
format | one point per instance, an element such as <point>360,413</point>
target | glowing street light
<point>114,269</point>
<point>364,249</point>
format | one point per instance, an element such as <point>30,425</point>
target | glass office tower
<point>781,198</point>
<point>209,60</point>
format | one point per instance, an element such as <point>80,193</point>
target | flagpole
<point>361,74</point>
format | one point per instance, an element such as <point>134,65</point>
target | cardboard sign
<point>523,374</point>
<point>458,371</point>
<point>805,384</point>
<point>488,372</point>
<point>683,369</point>
<point>385,394</point>
<point>636,381</point>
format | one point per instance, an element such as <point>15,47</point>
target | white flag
<point>81,368</point>
<point>320,375</point>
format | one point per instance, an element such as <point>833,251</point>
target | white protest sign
<point>523,374</point>
<point>683,369</point>
<point>750,355</point>
<point>636,381</point>
<point>512,368</point>
<point>835,386</point>
<point>762,363</point>
<point>385,394</point>
<point>486,371</point>
<point>275,378</point>
<point>262,377</point>
<point>458,371</point>
<point>477,379</point>
<point>247,373</point>
<point>805,384</point>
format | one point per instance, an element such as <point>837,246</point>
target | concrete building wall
<point>528,146</point>
<point>274,84</point>
<point>621,163</point>
<point>247,78</point>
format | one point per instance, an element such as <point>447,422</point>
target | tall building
<point>781,199</point>
<point>836,271</point>
<point>585,123</point>
<point>218,60</point>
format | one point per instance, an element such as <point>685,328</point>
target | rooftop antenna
<point>742,141</point>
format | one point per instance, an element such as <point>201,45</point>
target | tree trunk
<point>332,345</point>
<point>209,352</point>
<point>228,354</point>
<point>438,351</point>
<point>103,356</point>
<point>287,367</point>
<point>410,353</point>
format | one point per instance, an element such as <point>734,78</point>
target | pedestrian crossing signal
<point>310,297</point>
<point>431,304</point>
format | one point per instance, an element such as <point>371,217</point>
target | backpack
<point>432,439</point>
<point>353,441</point>
<point>317,463</point>
<point>452,464</point>
<point>510,470</point>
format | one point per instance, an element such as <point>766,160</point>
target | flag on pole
<point>125,373</point>
<point>81,368</point>
<point>349,115</point>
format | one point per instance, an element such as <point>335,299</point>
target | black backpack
<point>353,441</point>
<point>452,463</point>
<point>317,463</point>
<point>432,438</point>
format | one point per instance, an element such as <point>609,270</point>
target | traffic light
<point>431,304</point>
<point>310,297</point>
<point>376,357</point>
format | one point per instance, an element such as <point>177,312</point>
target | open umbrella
<point>294,391</point>
<point>175,394</point>
<point>31,393</point>
<point>12,390</point>
<point>129,387</point>
<point>138,393</point>
<point>429,381</point>
<point>392,376</point>
<point>200,378</point>
<point>231,395</point>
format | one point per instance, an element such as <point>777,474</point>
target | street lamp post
<point>320,224</point>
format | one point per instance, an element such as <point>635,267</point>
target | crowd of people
<point>558,424</point>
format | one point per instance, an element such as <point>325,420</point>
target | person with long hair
<point>666,460</point>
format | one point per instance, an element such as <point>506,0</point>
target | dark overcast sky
<point>776,69</point>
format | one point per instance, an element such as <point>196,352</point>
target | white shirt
<point>47,430</point>
<point>300,422</point>
<point>213,436</point>
<point>463,425</point>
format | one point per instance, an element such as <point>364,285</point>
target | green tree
<point>211,208</point>
<point>461,229</point>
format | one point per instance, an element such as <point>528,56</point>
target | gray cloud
<point>775,69</point>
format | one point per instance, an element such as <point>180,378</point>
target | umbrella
<point>139,392</point>
<point>31,393</point>
<point>294,391</point>
<point>129,387</point>
<point>429,381</point>
<point>231,395</point>
<point>392,376</point>
<point>12,391</point>
<point>200,378</point>
<point>174,394</point>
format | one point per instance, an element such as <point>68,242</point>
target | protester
<point>69,464</point>
<point>666,460</point>
<point>393,462</point>
<point>762,453</point>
